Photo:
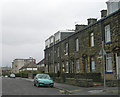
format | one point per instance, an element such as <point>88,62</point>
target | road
<point>18,86</point>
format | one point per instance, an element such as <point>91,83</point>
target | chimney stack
<point>103,13</point>
<point>79,27</point>
<point>91,20</point>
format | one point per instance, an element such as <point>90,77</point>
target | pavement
<point>75,90</point>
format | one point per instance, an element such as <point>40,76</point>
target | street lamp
<point>53,56</point>
<point>102,52</point>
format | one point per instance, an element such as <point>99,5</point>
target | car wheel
<point>37,84</point>
<point>51,86</point>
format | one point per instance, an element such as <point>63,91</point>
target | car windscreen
<point>44,76</point>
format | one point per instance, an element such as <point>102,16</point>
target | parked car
<point>12,75</point>
<point>6,76</point>
<point>43,80</point>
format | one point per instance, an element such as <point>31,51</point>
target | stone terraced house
<point>80,51</point>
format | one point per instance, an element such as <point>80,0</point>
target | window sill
<point>91,47</point>
<point>76,51</point>
<point>108,42</point>
<point>108,72</point>
<point>66,54</point>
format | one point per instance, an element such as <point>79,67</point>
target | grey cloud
<point>26,24</point>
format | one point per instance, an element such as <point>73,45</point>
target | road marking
<point>76,90</point>
<point>62,91</point>
<point>95,91</point>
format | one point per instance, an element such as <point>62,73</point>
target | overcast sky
<point>26,24</point>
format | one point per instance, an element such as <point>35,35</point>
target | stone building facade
<point>41,66</point>
<point>6,70</point>
<point>81,51</point>
<point>19,63</point>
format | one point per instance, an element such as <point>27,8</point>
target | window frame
<point>77,65</point>
<point>58,66</point>
<point>107,33</point>
<point>109,57</point>
<point>66,48</point>
<point>91,39</point>
<point>76,44</point>
<point>92,60</point>
<point>63,67</point>
<point>67,67</point>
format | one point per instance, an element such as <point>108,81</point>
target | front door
<point>118,65</point>
<point>85,65</point>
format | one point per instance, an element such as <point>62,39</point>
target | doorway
<point>118,65</point>
<point>85,65</point>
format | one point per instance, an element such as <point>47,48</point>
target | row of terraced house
<point>79,50</point>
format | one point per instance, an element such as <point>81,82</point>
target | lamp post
<point>103,53</point>
<point>54,56</point>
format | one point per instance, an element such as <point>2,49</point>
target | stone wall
<point>76,82</point>
<point>85,51</point>
<point>113,83</point>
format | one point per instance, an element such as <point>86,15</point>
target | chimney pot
<point>103,13</point>
<point>79,27</point>
<point>91,20</point>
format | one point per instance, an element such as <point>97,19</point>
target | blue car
<point>43,80</point>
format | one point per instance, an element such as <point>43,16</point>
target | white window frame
<point>29,69</point>
<point>107,33</point>
<point>34,68</point>
<point>109,63</point>
<point>66,48</point>
<point>77,66</point>
<point>77,44</point>
<point>93,64</point>
<point>67,67</point>
<point>58,66</point>
<point>92,44</point>
<point>63,67</point>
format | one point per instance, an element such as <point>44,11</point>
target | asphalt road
<point>17,86</point>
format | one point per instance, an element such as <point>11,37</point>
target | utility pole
<point>103,53</point>
<point>53,55</point>
<point>103,64</point>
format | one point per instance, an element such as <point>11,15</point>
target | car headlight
<point>51,81</point>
